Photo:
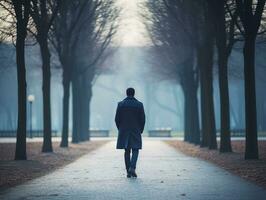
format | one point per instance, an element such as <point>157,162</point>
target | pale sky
<point>132,31</point>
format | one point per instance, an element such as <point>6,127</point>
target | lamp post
<point>31,99</point>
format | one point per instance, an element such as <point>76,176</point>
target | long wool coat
<point>130,121</point>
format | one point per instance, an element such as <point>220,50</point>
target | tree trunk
<point>75,112</point>
<point>225,144</point>
<point>191,115</point>
<point>85,97</point>
<point>205,61</point>
<point>65,130</point>
<point>20,153</point>
<point>89,113</point>
<point>86,107</point>
<point>187,116</point>
<point>263,113</point>
<point>194,107</point>
<point>80,107</point>
<point>251,151</point>
<point>189,84</point>
<point>211,128</point>
<point>207,104</point>
<point>148,105</point>
<point>47,128</point>
<point>241,107</point>
<point>204,132</point>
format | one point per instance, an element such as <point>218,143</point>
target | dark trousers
<point>131,162</point>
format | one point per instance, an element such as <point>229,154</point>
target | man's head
<point>130,92</point>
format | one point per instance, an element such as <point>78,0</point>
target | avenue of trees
<point>188,36</point>
<point>78,32</point>
<point>73,41</point>
<point>190,40</point>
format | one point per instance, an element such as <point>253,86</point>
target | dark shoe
<point>133,173</point>
<point>128,174</point>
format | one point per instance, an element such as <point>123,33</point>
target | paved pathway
<point>163,173</point>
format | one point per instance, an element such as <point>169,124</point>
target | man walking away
<point>130,121</point>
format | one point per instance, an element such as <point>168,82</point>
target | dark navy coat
<point>130,121</point>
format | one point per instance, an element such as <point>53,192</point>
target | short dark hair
<point>130,92</point>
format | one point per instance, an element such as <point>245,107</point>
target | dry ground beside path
<point>38,164</point>
<point>164,174</point>
<point>252,170</point>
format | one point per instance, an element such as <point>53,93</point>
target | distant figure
<point>130,121</point>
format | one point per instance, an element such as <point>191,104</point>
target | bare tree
<point>21,10</point>
<point>174,54</point>
<point>43,13</point>
<point>250,13</point>
<point>66,30</point>
<point>81,50</point>
<point>220,30</point>
<point>95,39</point>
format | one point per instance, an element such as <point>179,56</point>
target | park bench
<point>234,132</point>
<point>241,133</point>
<point>162,132</point>
<point>99,133</point>
<point>35,133</point>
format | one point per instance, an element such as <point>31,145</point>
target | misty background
<point>129,66</point>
